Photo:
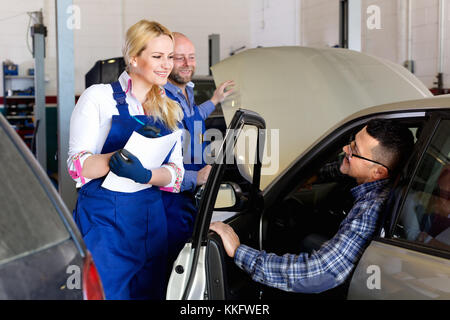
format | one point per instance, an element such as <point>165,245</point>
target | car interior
<point>311,211</point>
<point>307,212</point>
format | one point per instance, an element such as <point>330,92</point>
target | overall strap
<point>120,98</point>
<point>171,96</point>
<point>176,99</point>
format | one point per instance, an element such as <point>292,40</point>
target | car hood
<point>302,92</point>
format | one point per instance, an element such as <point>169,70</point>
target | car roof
<point>302,92</point>
<point>437,102</point>
<point>202,78</point>
<point>419,105</point>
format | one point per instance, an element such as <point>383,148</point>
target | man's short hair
<point>396,142</point>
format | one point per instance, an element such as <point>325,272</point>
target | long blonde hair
<point>157,105</point>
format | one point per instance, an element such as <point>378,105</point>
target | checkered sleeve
<point>296,273</point>
<point>323,269</point>
<point>175,167</point>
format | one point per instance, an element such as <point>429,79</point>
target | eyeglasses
<point>352,154</point>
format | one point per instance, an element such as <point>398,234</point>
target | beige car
<point>292,111</point>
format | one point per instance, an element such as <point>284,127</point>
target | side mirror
<point>229,197</point>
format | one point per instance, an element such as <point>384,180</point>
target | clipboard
<point>151,152</point>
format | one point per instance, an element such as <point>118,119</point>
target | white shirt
<point>90,124</point>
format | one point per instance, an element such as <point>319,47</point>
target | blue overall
<point>125,232</point>
<point>180,207</point>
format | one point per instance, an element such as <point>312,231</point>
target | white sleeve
<point>84,133</point>
<point>175,166</point>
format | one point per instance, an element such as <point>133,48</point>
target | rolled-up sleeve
<point>176,168</point>
<point>189,181</point>
<point>84,133</point>
<point>206,108</point>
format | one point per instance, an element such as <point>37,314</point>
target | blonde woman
<point>126,232</point>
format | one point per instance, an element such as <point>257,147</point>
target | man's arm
<point>192,178</point>
<point>189,181</point>
<point>205,109</point>
<point>307,273</point>
<point>290,272</point>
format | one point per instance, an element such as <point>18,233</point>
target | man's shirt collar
<point>175,89</point>
<point>363,189</point>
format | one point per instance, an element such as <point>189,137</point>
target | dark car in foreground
<point>42,255</point>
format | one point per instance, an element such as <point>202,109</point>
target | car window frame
<point>402,188</point>
<point>305,160</point>
<point>205,211</point>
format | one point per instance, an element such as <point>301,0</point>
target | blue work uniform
<point>180,207</point>
<point>125,232</point>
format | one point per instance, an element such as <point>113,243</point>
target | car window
<point>315,203</point>
<point>317,200</point>
<point>245,151</point>
<point>241,164</point>
<point>203,90</point>
<point>28,219</point>
<point>425,216</point>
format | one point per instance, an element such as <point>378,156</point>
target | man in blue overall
<point>180,207</point>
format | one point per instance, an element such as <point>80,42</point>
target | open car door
<point>202,269</point>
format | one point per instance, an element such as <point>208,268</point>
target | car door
<point>410,260</point>
<point>203,270</point>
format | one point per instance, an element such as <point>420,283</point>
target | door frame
<point>241,118</point>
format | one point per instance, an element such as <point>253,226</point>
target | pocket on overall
<point>94,209</point>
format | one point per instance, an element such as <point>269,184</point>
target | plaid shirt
<point>333,262</point>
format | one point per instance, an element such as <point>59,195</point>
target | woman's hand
<point>124,164</point>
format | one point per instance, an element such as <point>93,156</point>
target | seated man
<point>378,149</point>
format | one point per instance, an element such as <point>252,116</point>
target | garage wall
<point>391,42</point>
<point>240,23</point>
<point>320,27</point>
<point>13,33</point>
<point>103,24</point>
<point>272,24</point>
<point>425,40</point>
<point>388,41</point>
<point>319,23</point>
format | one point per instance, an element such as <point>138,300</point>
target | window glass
<point>425,216</point>
<point>245,151</point>
<point>311,211</point>
<point>28,219</point>
<point>244,158</point>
